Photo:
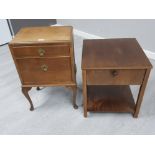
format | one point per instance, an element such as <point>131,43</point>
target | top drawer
<point>115,77</point>
<point>41,51</point>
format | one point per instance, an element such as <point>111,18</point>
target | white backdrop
<point>5,35</point>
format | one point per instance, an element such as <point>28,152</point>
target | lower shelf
<point>110,99</point>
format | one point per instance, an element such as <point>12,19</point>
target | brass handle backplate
<point>115,73</point>
<point>44,68</point>
<point>41,51</point>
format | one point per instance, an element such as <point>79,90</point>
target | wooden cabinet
<point>44,56</point>
<point>109,66</point>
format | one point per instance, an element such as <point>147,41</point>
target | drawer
<point>45,70</point>
<point>115,77</point>
<point>41,51</point>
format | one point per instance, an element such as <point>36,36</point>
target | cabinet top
<point>120,53</point>
<point>47,34</point>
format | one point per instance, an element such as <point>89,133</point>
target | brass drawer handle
<point>41,52</point>
<point>115,73</point>
<point>44,68</point>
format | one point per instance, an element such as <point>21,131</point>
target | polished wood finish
<point>141,93</point>
<point>109,66</point>
<point>41,51</point>
<point>50,34</point>
<point>124,53</point>
<point>110,99</point>
<point>84,92</point>
<point>58,70</point>
<point>44,56</point>
<point>25,91</point>
<point>115,77</point>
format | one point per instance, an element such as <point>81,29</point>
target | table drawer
<point>41,51</point>
<point>115,77</point>
<point>45,70</point>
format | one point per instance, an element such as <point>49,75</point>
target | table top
<point>43,34</point>
<point>122,53</point>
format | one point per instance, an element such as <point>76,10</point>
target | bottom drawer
<point>44,70</point>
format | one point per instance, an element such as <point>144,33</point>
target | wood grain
<point>50,34</point>
<point>115,77</point>
<point>44,56</point>
<point>58,70</point>
<point>25,91</point>
<point>109,66</point>
<point>48,51</point>
<point>124,53</point>
<point>110,99</point>
<point>141,93</point>
<point>84,92</point>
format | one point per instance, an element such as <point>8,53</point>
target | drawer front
<point>41,51</point>
<point>45,71</point>
<point>115,77</point>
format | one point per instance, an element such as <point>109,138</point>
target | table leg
<point>84,93</point>
<point>74,89</point>
<point>141,93</point>
<point>38,88</point>
<point>25,92</point>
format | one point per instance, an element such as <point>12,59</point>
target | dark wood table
<point>109,67</point>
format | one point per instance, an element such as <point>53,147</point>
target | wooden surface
<point>44,56</point>
<point>58,70</point>
<point>25,91</point>
<point>124,53</point>
<point>43,35</point>
<point>41,51</point>
<point>115,77</point>
<point>84,92</point>
<point>110,99</point>
<point>115,63</point>
<point>141,93</point>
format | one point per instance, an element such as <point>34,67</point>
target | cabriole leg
<point>74,89</point>
<point>25,91</point>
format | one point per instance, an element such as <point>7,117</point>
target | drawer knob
<point>41,52</point>
<point>44,68</point>
<point>114,73</point>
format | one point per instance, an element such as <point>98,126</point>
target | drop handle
<point>115,73</point>
<point>44,68</point>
